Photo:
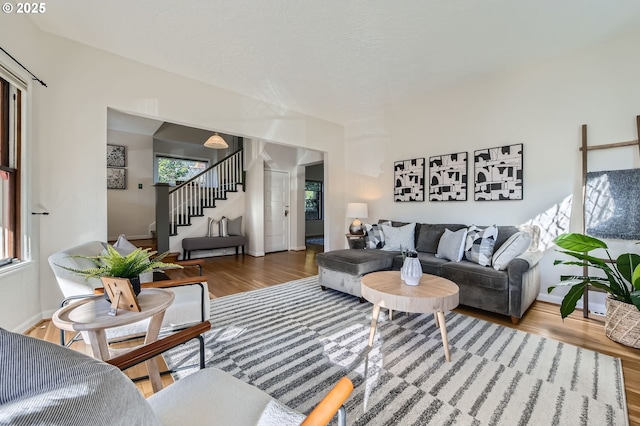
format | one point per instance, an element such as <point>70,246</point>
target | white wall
<point>132,210</point>
<point>72,111</point>
<point>20,285</point>
<point>542,107</point>
<point>254,166</point>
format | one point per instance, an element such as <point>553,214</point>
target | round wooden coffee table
<point>433,295</point>
<point>92,315</point>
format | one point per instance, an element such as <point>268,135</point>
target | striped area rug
<point>295,341</point>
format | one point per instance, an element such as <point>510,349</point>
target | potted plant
<point>111,263</point>
<point>620,279</point>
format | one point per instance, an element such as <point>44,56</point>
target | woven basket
<point>622,323</point>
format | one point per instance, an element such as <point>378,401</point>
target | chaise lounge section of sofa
<point>509,291</point>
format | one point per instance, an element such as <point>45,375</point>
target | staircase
<point>201,192</point>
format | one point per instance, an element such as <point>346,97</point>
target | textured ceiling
<point>339,60</point>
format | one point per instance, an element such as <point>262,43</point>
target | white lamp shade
<point>216,142</point>
<point>357,210</point>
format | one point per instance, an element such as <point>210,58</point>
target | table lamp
<point>357,210</point>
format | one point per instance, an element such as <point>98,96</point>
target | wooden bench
<point>212,243</point>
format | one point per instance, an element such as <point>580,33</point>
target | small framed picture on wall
<point>116,178</point>
<point>116,156</point>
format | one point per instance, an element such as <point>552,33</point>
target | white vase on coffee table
<point>411,270</point>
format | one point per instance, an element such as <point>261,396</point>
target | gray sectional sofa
<point>509,292</point>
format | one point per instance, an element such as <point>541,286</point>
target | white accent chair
<point>191,304</point>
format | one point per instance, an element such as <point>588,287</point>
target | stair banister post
<point>163,224</point>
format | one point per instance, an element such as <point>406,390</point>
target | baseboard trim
<point>32,322</point>
<point>597,308</point>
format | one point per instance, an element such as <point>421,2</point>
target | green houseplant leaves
<point>110,263</point>
<point>621,277</point>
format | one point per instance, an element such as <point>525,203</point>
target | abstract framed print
<point>448,177</point>
<point>408,176</point>
<point>498,173</point>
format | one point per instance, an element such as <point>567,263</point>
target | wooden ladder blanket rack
<point>585,148</point>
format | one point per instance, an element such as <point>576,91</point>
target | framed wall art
<point>116,178</point>
<point>116,156</point>
<point>448,177</point>
<point>408,178</point>
<point>498,173</point>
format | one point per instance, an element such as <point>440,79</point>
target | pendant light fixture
<point>216,142</point>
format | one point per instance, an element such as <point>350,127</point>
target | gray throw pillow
<point>234,227</point>
<point>399,238</point>
<point>123,245</point>
<point>451,245</point>
<point>480,243</point>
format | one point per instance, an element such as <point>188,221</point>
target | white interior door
<point>276,211</point>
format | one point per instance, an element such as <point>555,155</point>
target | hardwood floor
<point>233,274</point>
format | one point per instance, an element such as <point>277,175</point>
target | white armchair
<point>191,304</point>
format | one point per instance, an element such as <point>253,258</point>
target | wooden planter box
<point>622,323</point>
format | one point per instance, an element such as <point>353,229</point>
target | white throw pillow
<point>213,228</point>
<point>534,231</point>
<point>451,245</point>
<point>224,227</point>
<point>399,238</point>
<point>517,244</point>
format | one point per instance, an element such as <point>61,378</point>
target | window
<point>313,200</point>
<point>171,170</point>
<point>11,107</point>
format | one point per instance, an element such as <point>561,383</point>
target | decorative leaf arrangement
<point>113,264</point>
<point>622,276</point>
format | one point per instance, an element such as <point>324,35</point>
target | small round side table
<point>91,315</point>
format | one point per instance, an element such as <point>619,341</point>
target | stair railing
<point>201,191</point>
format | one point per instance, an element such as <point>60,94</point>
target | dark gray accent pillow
<point>428,239</point>
<point>234,227</point>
